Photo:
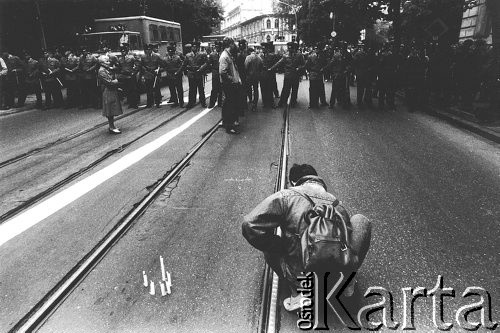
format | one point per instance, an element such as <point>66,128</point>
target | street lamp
<point>294,9</point>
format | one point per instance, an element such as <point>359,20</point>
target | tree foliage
<point>62,19</point>
<point>418,16</point>
<point>349,17</point>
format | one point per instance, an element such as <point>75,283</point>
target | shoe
<point>204,105</point>
<point>174,105</point>
<point>158,105</point>
<point>232,131</point>
<point>133,106</point>
<point>211,106</point>
<point>324,104</point>
<point>189,106</point>
<point>114,130</point>
<point>149,105</point>
<point>294,303</point>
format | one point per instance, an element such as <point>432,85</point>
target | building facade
<point>476,24</point>
<point>266,27</point>
<point>255,22</point>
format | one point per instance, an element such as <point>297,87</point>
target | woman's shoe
<point>114,130</point>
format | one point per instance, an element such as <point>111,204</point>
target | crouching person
<point>287,209</point>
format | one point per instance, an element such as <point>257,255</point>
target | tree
<point>63,19</point>
<point>418,17</point>
<point>350,17</point>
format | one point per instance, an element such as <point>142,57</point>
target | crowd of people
<point>441,74</point>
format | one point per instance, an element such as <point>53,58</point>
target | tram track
<point>55,187</point>
<point>67,138</point>
<point>269,309</point>
<point>38,314</point>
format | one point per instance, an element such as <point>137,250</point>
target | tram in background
<point>134,30</point>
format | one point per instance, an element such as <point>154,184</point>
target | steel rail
<point>56,296</point>
<point>36,198</point>
<point>268,320</point>
<point>67,138</point>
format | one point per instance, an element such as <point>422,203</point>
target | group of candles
<point>165,282</point>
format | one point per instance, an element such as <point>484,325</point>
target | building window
<point>276,24</point>
<point>268,24</point>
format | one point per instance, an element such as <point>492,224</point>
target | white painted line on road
<point>22,222</point>
<point>145,279</point>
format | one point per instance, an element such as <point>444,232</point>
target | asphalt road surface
<point>432,192</point>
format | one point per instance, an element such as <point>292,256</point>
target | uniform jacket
<point>213,62</point>
<point>51,67</point>
<point>88,66</point>
<point>150,64</point>
<point>69,66</point>
<point>195,62</point>
<point>293,65</point>
<point>33,71</point>
<point>127,65</point>
<point>172,64</point>
<point>285,209</point>
<point>315,64</point>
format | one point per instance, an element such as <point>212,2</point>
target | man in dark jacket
<point>231,85</point>
<point>315,65</point>
<point>173,67</point>
<point>213,62</point>
<point>285,209</point>
<point>195,64</point>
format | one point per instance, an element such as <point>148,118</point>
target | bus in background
<point>134,30</point>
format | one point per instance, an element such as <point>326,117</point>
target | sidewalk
<point>461,118</point>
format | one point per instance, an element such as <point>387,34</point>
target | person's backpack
<point>325,242</point>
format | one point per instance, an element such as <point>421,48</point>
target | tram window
<point>170,33</point>
<point>163,32</point>
<point>134,42</point>
<point>177,34</point>
<point>153,32</point>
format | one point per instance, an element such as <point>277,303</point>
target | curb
<point>473,127</point>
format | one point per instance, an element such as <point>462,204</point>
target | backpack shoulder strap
<point>334,203</point>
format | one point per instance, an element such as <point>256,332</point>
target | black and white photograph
<point>263,166</point>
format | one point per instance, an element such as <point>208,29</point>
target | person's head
<point>196,47</point>
<point>242,45</point>
<point>292,47</point>
<point>228,44</point>
<point>251,50</point>
<point>104,60</point>
<point>124,48</point>
<point>188,48</point>
<point>148,49</point>
<point>298,171</point>
<point>170,50</point>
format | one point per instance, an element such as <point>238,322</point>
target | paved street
<point>430,189</point>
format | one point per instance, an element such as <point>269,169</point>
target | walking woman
<point>111,106</point>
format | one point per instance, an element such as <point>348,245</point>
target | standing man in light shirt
<point>231,84</point>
